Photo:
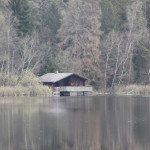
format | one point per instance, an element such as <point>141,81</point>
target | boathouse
<point>66,84</point>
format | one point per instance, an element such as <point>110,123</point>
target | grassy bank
<point>26,84</point>
<point>19,90</point>
<point>133,89</point>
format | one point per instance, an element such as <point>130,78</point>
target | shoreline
<point>41,90</point>
<point>130,90</point>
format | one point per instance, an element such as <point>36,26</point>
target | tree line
<point>105,40</point>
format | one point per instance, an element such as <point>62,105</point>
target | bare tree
<point>119,48</point>
<point>137,27</point>
<point>29,54</point>
<point>107,47</point>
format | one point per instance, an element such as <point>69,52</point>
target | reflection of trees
<point>17,126</point>
<point>78,129</point>
<point>10,131</point>
<point>100,123</point>
<point>125,122</point>
<point>22,127</point>
<point>141,126</point>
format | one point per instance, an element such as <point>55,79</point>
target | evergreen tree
<point>140,60</point>
<point>148,13</point>
<point>22,9</point>
<point>50,66</point>
<point>113,15</point>
<point>3,4</point>
<point>51,17</point>
<point>108,16</point>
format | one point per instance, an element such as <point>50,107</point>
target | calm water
<point>75,123</point>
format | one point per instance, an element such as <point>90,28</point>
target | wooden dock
<point>72,90</point>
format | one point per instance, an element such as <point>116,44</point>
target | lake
<point>75,123</point>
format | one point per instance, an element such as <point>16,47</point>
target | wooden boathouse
<point>66,84</point>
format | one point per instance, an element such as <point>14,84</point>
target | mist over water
<point>75,123</point>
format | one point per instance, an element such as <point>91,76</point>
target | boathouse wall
<point>71,81</point>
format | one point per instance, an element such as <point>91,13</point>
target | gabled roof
<point>55,77</point>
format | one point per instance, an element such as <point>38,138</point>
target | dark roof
<point>55,77</point>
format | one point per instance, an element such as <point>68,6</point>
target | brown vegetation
<point>133,89</point>
<point>39,90</point>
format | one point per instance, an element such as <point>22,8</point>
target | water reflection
<point>75,123</point>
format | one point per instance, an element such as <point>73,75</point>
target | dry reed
<point>133,89</point>
<point>19,90</point>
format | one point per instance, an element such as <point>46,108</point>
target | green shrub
<point>28,79</point>
<point>25,85</point>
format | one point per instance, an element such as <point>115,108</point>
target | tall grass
<point>19,90</point>
<point>27,84</point>
<point>133,89</point>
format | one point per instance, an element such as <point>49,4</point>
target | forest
<point>107,41</point>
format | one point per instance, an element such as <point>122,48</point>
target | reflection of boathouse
<point>66,83</point>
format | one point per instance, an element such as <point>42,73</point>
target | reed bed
<point>19,90</point>
<point>133,89</point>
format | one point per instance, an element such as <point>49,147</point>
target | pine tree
<point>51,17</point>
<point>148,13</point>
<point>108,16</point>
<point>22,9</point>
<point>114,15</point>
<point>3,4</point>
